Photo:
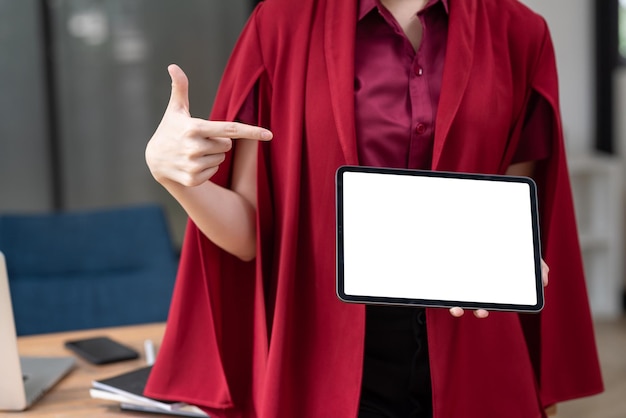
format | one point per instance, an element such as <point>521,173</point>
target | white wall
<point>571,24</point>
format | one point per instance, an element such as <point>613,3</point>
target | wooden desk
<point>70,397</point>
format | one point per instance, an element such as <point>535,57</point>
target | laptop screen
<point>24,379</point>
<point>424,238</point>
<point>12,395</point>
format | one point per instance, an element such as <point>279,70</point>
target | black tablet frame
<point>377,300</point>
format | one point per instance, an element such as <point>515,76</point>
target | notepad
<point>437,239</point>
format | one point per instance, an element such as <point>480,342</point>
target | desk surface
<point>70,397</point>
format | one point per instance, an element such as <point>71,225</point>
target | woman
<point>457,85</point>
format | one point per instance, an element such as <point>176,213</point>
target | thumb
<point>179,98</point>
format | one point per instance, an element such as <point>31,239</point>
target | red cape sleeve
<point>561,338</point>
<point>207,352</point>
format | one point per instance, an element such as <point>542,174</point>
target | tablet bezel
<point>476,304</point>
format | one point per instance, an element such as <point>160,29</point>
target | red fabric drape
<point>269,338</point>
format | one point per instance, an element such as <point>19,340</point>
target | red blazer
<point>269,338</point>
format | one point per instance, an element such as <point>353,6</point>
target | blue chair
<point>88,269</point>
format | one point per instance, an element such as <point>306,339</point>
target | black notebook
<point>127,389</point>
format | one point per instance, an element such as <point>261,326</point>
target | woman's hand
<point>187,150</point>
<point>482,313</point>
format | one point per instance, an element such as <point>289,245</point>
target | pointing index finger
<point>235,130</point>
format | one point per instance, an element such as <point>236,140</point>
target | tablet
<point>438,239</point>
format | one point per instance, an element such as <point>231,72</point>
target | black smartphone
<point>101,350</point>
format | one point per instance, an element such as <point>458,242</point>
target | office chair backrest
<point>88,269</point>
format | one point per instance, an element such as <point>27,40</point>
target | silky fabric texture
<point>269,338</point>
<point>397,87</point>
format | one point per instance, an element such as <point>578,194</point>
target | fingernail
<point>266,135</point>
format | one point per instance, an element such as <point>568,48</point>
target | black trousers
<point>396,372</point>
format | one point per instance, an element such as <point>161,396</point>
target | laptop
<point>438,239</point>
<point>24,379</point>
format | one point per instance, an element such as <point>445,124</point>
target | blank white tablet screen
<point>438,238</point>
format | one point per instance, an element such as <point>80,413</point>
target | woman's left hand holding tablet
<point>458,312</point>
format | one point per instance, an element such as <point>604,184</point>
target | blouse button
<point>420,128</point>
<point>419,71</point>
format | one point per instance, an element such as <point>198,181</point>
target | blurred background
<point>84,84</point>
